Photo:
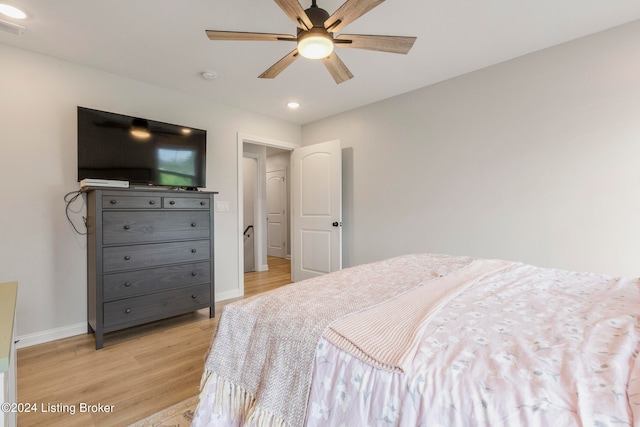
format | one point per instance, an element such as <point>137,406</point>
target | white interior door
<point>316,186</point>
<point>276,213</point>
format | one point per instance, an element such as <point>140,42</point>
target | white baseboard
<point>51,335</point>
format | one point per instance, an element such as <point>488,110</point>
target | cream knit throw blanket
<point>262,353</point>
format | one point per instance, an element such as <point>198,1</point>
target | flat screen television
<point>141,151</point>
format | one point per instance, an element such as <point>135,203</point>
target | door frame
<point>258,227</point>
<point>257,209</point>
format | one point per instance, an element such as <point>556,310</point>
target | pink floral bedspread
<point>526,347</point>
<point>530,347</point>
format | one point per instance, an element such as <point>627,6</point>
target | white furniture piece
<point>8,377</point>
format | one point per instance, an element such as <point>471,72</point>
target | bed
<point>429,340</point>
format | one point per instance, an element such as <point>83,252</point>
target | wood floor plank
<point>140,371</point>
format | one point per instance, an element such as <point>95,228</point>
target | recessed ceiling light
<point>12,12</point>
<point>293,105</point>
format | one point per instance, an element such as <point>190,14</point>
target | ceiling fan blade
<point>239,35</point>
<point>279,66</point>
<point>349,12</point>
<point>392,44</point>
<point>294,11</point>
<point>337,69</point>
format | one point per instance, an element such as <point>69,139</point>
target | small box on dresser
<point>150,256</point>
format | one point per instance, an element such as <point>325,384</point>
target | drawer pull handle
<point>127,284</point>
<point>194,273</point>
<point>127,257</point>
<point>193,224</point>
<point>126,227</point>
<point>113,202</point>
<point>127,311</point>
<point>194,296</point>
<point>172,202</point>
<point>152,202</point>
<point>193,251</point>
<point>202,203</point>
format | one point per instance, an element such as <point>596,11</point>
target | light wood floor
<point>139,371</point>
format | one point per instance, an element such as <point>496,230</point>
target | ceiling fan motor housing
<point>317,16</point>
<point>316,36</point>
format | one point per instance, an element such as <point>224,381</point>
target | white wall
<point>536,159</point>
<point>38,166</point>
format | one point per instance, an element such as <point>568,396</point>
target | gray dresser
<point>150,256</point>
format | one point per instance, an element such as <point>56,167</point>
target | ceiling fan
<point>315,38</point>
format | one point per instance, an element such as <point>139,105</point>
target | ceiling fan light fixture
<point>315,44</point>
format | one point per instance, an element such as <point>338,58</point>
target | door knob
<point>337,224</point>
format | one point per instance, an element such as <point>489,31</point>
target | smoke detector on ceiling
<point>209,75</point>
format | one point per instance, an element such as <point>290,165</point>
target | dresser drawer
<point>131,202</point>
<point>138,282</point>
<point>139,256</point>
<point>141,227</point>
<point>142,309</point>
<point>185,202</point>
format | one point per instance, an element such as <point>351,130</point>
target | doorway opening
<point>262,230</point>
<point>265,198</point>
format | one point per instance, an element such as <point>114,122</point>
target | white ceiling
<point>163,42</point>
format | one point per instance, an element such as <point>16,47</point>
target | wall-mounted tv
<point>141,151</point>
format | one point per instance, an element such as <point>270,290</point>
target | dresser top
<point>8,294</point>
<point>146,190</point>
